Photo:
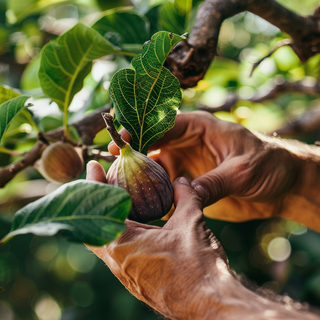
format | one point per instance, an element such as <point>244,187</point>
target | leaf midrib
<point>78,69</point>
<point>146,106</point>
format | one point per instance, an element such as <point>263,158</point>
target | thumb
<point>95,172</point>
<point>188,205</point>
<point>217,184</point>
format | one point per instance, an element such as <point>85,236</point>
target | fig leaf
<point>66,61</point>
<point>123,27</point>
<point>146,99</point>
<point>83,211</point>
<point>11,103</point>
<point>7,94</point>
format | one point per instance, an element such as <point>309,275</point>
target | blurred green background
<point>52,279</point>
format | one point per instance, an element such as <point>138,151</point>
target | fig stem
<point>116,137</point>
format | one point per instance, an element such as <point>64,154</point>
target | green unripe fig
<point>145,180</point>
<point>60,162</point>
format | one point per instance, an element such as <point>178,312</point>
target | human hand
<point>172,267</point>
<point>250,176</point>
<point>181,270</point>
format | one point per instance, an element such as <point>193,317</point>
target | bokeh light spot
<point>279,249</point>
<point>5,311</point>
<point>46,308</point>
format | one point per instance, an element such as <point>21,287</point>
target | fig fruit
<point>145,180</point>
<point>60,162</point>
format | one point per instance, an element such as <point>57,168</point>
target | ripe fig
<point>60,162</point>
<point>145,180</point>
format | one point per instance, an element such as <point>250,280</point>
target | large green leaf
<point>66,61</point>
<point>128,25</point>
<point>7,94</point>
<point>146,99</point>
<point>178,16</point>
<point>83,211</point>
<point>29,79</point>
<point>172,19</point>
<point>9,109</point>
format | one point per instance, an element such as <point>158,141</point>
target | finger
<point>112,147</point>
<point>181,124</point>
<point>95,172</point>
<point>187,202</point>
<point>216,184</point>
<point>186,125</point>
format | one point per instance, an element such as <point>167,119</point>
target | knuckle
<point>217,186</point>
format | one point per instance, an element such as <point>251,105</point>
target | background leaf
<point>130,27</point>
<point>84,211</point>
<point>172,19</point>
<point>178,16</point>
<point>7,94</point>
<point>8,110</point>
<point>66,61</point>
<point>19,10</point>
<point>146,99</point>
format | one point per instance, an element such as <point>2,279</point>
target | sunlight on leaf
<point>66,61</point>
<point>7,94</point>
<point>83,211</point>
<point>146,99</point>
<point>9,109</point>
<point>19,10</point>
<point>128,25</point>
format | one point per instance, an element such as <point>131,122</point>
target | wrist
<point>237,302</point>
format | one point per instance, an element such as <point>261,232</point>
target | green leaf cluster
<point>146,100</point>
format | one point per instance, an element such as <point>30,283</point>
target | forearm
<point>237,302</point>
<point>245,304</point>
<point>302,202</point>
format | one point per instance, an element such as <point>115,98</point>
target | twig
<point>29,158</point>
<point>116,137</point>
<point>305,86</point>
<point>102,155</point>
<point>308,122</point>
<point>87,128</point>
<point>282,43</point>
<point>231,100</point>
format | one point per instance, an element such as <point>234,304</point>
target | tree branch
<point>189,60</point>
<point>306,86</point>
<point>308,122</point>
<point>87,128</point>
<point>231,100</point>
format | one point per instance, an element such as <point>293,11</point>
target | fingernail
<point>90,164</point>
<point>184,180</point>
<point>202,192</point>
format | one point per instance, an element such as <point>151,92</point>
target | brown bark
<point>190,59</point>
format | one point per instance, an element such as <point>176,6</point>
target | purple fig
<point>145,180</point>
